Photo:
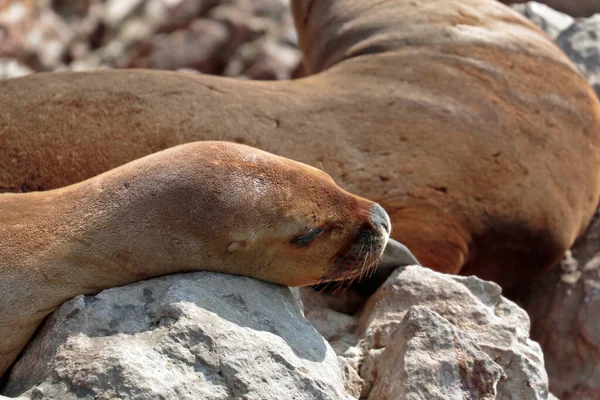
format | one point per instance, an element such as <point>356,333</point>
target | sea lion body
<point>461,118</point>
<point>201,206</point>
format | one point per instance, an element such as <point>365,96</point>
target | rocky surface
<point>564,305</point>
<point>581,42</point>
<point>429,357</point>
<point>434,336</point>
<point>549,20</point>
<point>243,38</point>
<point>191,336</point>
<point>423,335</point>
<point>576,8</point>
<point>564,308</point>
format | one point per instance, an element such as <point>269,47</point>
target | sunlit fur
<point>211,206</point>
<point>435,109</point>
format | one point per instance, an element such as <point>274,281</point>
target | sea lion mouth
<point>361,259</point>
<point>358,262</point>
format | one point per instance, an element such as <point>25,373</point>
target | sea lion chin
<point>211,206</point>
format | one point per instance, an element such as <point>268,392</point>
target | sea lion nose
<point>380,219</point>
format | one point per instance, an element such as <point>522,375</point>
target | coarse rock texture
<point>242,38</point>
<point>191,336</point>
<point>564,305</point>
<point>498,326</point>
<point>423,335</point>
<point>434,336</point>
<point>576,8</point>
<point>549,20</point>
<point>431,359</point>
<point>581,42</point>
<point>564,309</point>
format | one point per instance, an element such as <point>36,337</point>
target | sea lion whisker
<point>373,267</point>
<point>363,266</point>
<point>341,277</point>
<point>360,252</point>
<point>336,273</point>
<point>358,258</point>
<point>325,277</point>
<point>342,271</point>
<point>363,263</point>
<point>332,275</point>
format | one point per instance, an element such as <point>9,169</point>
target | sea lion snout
<point>380,219</point>
<point>376,233</point>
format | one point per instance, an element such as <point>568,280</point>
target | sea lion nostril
<point>379,218</point>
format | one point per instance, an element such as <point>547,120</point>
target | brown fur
<point>460,117</point>
<point>201,206</point>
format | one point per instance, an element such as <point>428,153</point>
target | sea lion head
<point>290,223</point>
<point>232,208</point>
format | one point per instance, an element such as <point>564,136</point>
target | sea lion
<point>460,117</point>
<point>211,206</point>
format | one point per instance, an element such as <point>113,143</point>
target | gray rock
<point>549,20</point>
<point>118,10</point>
<point>575,8</point>
<point>581,42</point>
<point>192,336</point>
<point>475,308</point>
<point>564,308</point>
<point>12,69</point>
<point>49,39</point>
<point>429,358</point>
<point>198,47</point>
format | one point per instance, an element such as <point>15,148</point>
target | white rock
<point>581,42</point>
<point>549,20</point>
<point>476,308</point>
<point>13,69</point>
<point>430,359</point>
<point>191,336</point>
<point>117,10</point>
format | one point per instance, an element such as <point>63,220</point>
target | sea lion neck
<point>91,236</point>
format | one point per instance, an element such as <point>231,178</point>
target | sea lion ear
<point>396,255</point>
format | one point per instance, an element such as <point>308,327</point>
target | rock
<point>253,39</point>
<point>274,62</point>
<point>188,336</point>
<point>49,39</point>
<point>581,42</point>
<point>117,11</point>
<point>13,69</point>
<point>245,30</point>
<point>170,15</point>
<point>575,8</point>
<point>474,309</point>
<point>15,22</point>
<point>70,9</point>
<point>333,316</point>
<point>549,20</point>
<point>197,47</point>
<point>36,37</point>
<point>564,308</point>
<point>429,358</point>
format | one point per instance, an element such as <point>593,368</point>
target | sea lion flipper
<point>396,255</point>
